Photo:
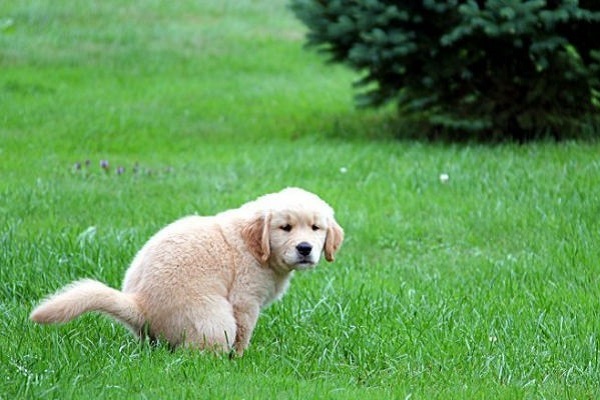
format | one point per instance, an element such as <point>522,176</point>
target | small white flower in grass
<point>444,178</point>
<point>493,339</point>
<point>343,170</point>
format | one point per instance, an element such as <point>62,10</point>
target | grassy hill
<point>482,286</point>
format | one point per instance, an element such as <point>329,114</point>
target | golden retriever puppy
<point>201,281</point>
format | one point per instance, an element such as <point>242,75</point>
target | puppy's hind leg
<point>212,326</point>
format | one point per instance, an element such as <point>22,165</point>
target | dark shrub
<point>502,68</point>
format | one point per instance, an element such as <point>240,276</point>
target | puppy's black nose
<point>304,248</point>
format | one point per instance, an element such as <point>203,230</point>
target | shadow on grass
<point>387,124</point>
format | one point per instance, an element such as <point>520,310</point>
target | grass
<point>486,286</point>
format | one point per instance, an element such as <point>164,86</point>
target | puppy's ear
<point>256,236</point>
<point>333,241</point>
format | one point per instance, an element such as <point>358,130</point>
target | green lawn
<point>486,286</point>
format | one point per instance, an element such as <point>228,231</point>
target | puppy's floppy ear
<point>333,241</point>
<point>256,236</point>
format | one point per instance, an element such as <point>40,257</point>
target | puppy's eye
<point>286,227</point>
<point>315,227</point>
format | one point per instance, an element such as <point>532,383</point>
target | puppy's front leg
<point>246,316</point>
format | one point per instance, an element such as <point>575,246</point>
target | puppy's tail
<point>88,295</point>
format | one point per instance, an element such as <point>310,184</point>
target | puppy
<point>201,281</point>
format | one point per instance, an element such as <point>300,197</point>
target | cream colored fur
<point>201,281</point>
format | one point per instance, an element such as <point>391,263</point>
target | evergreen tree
<point>501,67</point>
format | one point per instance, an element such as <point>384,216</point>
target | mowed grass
<point>486,286</point>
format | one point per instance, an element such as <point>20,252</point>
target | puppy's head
<point>291,229</point>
